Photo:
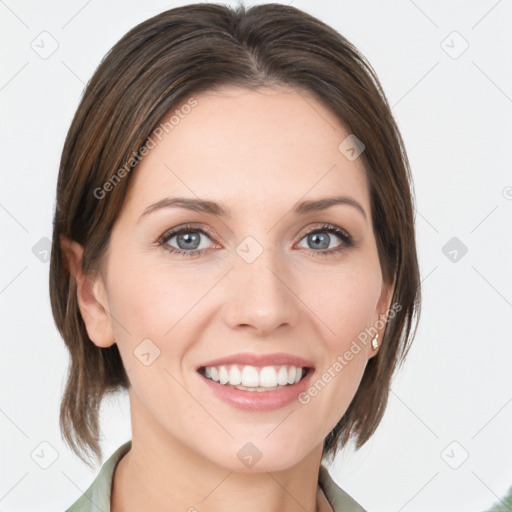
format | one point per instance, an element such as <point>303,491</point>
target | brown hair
<point>159,64</point>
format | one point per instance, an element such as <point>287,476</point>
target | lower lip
<point>256,401</point>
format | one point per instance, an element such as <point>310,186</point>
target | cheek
<point>150,300</point>
<point>160,303</point>
<point>151,306</point>
<point>345,302</point>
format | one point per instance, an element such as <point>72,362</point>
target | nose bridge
<point>262,295</point>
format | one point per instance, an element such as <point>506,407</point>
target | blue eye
<point>189,243</point>
<point>188,239</point>
<point>318,237</point>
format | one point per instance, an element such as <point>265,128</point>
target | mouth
<point>255,378</point>
<point>255,382</point>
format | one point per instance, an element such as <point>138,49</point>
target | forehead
<point>248,148</point>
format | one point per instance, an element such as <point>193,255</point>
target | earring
<point>375,342</point>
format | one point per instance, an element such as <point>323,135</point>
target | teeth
<point>250,378</point>
<point>223,375</point>
<point>282,376</point>
<point>268,377</point>
<point>235,376</point>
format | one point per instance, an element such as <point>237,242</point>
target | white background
<point>455,115</point>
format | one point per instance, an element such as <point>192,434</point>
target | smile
<point>252,378</point>
<point>278,379</point>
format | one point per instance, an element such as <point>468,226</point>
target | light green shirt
<point>97,497</point>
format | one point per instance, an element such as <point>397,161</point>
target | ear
<point>382,312</point>
<point>385,299</point>
<point>91,295</point>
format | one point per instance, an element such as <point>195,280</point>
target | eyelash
<point>347,241</point>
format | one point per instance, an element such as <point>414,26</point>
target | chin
<point>263,455</point>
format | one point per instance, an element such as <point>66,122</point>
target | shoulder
<point>97,496</point>
<point>337,497</point>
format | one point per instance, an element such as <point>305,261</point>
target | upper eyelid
<point>327,227</point>
<point>170,233</point>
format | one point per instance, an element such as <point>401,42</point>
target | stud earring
<point>375,342</point>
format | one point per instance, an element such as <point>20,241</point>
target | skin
<point>257,153</point>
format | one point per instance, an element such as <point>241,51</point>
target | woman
<point>234,245</point>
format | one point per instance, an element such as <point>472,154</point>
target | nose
<point>261,296</point>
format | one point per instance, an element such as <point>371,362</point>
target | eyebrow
<point>213,208</point>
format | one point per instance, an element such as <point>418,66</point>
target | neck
<point>160,473</point>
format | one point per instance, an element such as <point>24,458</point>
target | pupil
<point>320,240</point>
<point>188,238</point>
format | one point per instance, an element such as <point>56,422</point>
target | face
<point>264,285</point>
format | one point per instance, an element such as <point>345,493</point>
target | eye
<point>191,240</point>
<point>321,238</point>
<point>188,239</point>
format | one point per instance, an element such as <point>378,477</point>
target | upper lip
<point>279,358</point>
